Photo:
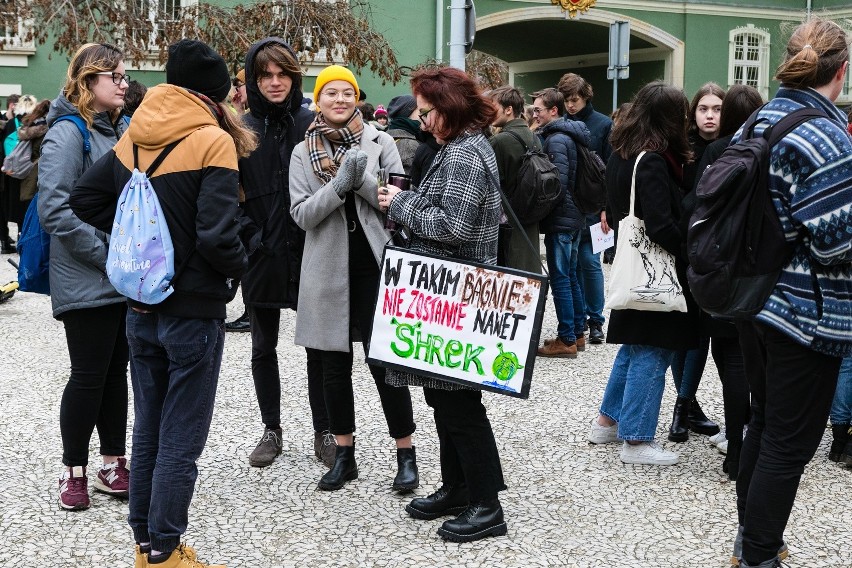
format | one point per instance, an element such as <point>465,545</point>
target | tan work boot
<point>183,557</point>
<point>558,349</point>
<point>141,560</point>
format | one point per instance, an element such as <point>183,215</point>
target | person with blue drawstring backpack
<point>187,141</point>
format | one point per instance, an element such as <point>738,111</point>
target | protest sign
<point>458,321</point>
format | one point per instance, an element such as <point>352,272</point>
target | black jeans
<point>337,365</point>
<point>791,390</point>
<point>468,449</point>
<point>264,370</point>
<point>96,393</point>
<point>728,357</point>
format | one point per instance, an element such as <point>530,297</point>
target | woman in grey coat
<point>92,312</point>
<point>455,213</point>
<point>333,197</point>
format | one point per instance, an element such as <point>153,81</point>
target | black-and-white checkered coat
<point>454,213</point>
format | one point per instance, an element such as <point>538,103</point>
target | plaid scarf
<point>342,139</point>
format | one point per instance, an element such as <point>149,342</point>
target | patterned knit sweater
<point>811,186</point>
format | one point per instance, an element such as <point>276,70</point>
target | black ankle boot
<point>448,500</point>
<point>407,477</point>
<point>698,421</point>
<point>478,521</point>
<point>840,434</point>
<point>679,430</point>
<point>345,469</point>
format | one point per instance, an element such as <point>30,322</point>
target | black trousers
<point>337,365</point>
<point>791,390</point>
<point>468,449</point>
<point>728,357</point>
<point>96,393</point>
<point>264,370</point>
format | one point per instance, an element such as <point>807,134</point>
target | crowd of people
<point>257,182</point>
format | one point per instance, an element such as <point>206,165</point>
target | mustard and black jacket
<point>197,188</point>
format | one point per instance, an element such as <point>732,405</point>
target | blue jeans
<point>841,408</point>
<point>567,298</point>
<point>591,278</point>
<point>687,368</point>
<point>174,367</point>
<point>635,390</point>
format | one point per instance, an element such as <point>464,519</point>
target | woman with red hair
<point>455,213</point>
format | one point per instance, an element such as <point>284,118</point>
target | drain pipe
<point>439,30</point>
<point>809,10</point>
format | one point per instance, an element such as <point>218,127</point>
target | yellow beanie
<point>241,75</point>
<point>334,73</point>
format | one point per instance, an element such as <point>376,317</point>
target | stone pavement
<point>568,503</point>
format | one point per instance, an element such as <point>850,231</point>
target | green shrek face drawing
<point>505,365</point>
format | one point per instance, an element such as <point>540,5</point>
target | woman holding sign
<point>455,213</point>
<point>333,196</point>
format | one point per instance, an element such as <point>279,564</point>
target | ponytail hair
<point>815,52</point>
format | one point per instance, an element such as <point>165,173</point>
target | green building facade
<point>684,43</point>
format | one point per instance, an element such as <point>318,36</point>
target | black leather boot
<point>478,521</point>
<point>698,421</point>
<point>840,434</point>
<point>345,469</point>
<point>679,430</point>
<point>448,500</point>
<point>407,477</point>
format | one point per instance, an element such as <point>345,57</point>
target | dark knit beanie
<point>194,65</point>
<point>401,106</point>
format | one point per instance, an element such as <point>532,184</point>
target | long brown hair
<point>655,122</point>
<point>457,97</point>
<point>40,111</point>
<point>815,52</point>
<point>244,138</point>
<point>739,102</point>
<point>90,59</point>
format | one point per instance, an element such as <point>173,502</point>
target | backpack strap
<point>82,127</point>
<point>157,161</point>
<point>518,138</point>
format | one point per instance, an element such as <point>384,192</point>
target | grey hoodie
<point>77,250</point>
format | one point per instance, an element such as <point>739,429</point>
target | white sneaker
<point>716,438</point>
<point>647,453</point>
<point>722,447</point>
<point>602,434</point>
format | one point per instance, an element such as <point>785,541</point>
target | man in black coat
<point>273,88</point>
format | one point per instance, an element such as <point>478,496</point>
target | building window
<point>160,13</point>
<point>13,30</point>
<point>846,94</point>
<point>748,61</point>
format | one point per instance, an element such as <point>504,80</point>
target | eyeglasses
<point>537,110</point>
<point>348,95</point>
<point>237,83</point>
<point>423,114</point>
<point>117,78</point>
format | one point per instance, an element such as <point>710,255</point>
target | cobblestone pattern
<point>568,503</point>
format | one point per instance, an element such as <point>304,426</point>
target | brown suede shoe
<point>325,447</point>
<point>581,343</point>
<point>558,349</point>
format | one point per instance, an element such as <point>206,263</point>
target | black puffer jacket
<point>275,242</point>
<point>559,138</point>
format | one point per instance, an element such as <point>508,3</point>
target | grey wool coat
<point>322,317</point>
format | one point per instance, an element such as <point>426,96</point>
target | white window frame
<point>738,37</point>
<point>846,94</point>
<point>11,41</point>
<point>157,7</point>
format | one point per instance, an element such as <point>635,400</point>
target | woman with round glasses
<point>455,213</point>
<point>333,196</point>
<point>92,312</point>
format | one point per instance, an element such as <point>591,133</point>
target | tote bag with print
<point>643,275</point>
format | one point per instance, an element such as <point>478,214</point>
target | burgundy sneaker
<point>114,478</point>
<point>74,489</point>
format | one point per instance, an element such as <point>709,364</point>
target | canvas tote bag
<point>643,275</point>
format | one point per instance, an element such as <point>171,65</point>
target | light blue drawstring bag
<point>141,259</point>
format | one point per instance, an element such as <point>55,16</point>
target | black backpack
<point>735,242</point>
<point>537,190</point>
<point>590,184</point>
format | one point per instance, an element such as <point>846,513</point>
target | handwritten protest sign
<point>467,323</point>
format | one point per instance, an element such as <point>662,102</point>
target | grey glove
<point>360,167</point>
<point>347,173</point>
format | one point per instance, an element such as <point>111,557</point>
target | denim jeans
<point>174,368</point>
<point>635,390</point>
<point>562,251</point>
<point>591,279</point>
<point>791,391</point>
<point>687,368</point>
<point>841,407</point>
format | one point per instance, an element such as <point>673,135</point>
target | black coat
<point>274,241</point>
<point>658,203</point>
